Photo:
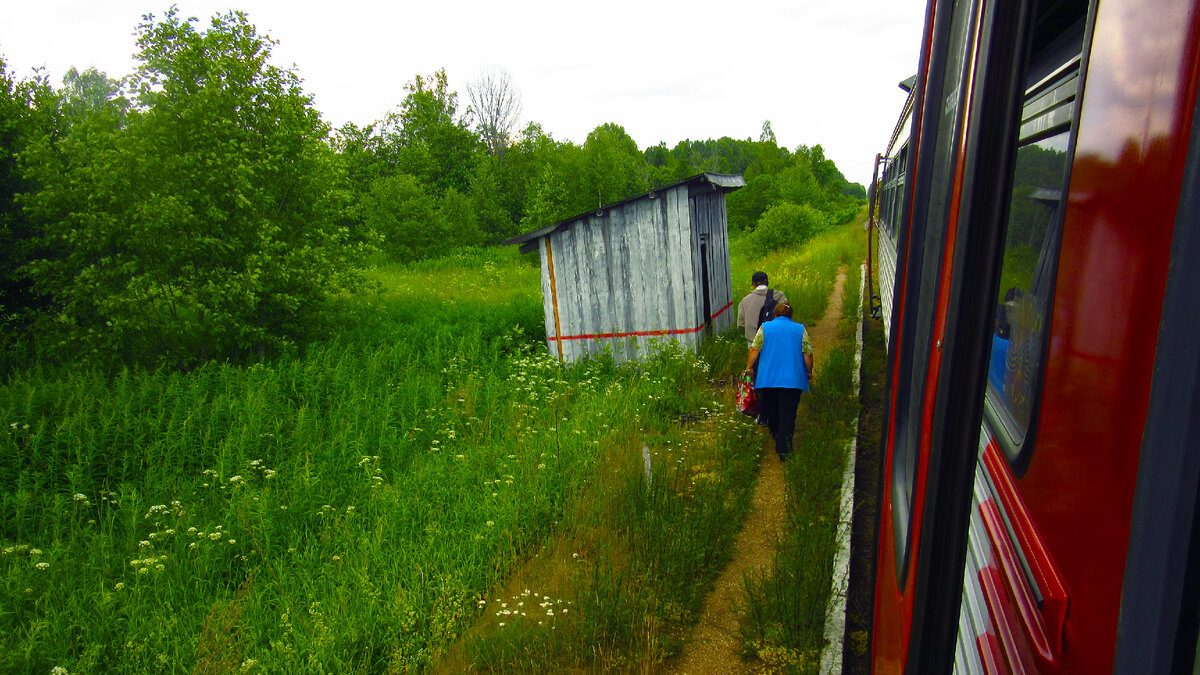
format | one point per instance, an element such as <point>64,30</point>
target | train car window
<point>892,190</point>
<point>1036,209</point>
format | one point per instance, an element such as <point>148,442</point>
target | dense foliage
<point>200,209</point>
<point>199,219</point>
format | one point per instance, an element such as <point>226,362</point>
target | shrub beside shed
<point>652,267</point>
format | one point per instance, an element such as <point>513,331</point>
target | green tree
<point>28,111</point>
<point>826,172</point>
<point>428,139</point>
<point>91,93</point>
<point>406,218</point>
<point>553,176</point>
<point>360,149</point>
<point>665,167</point>
<point>206,225</point>
<point>548,202</point>
<point>461,222</point>
<point>495,197</point>
<point>767,135</point>
<point>614,168</point>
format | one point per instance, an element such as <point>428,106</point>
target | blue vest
<point>781,362</point>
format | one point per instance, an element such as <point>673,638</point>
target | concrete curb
<point>835,613</point>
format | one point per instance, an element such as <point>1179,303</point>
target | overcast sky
<point>822,71</point>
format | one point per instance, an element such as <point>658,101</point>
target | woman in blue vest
<point>785,359</point>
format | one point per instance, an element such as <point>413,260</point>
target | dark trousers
<point>778,406</point>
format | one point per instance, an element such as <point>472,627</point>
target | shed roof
<point>719,181</point>
<point>1044,194</point>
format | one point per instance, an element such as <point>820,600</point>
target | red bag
<point>747,398</point>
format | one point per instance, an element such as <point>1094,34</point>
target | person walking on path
<point>749,309</point>
<point>784,356</point>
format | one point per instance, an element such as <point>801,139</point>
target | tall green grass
<point>344,509</point>
<point>358,506</point>
<point>806,274</point>
<point>625,578</point>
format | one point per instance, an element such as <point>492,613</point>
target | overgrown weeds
<point>374,488</point>
<point>356,507</point>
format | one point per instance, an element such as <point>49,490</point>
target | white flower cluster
<point>218,534</point>
<point>370,464</point>
<point>154,563</point>
<point>239,480</point>
<point>523,603</point>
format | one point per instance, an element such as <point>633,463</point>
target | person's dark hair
<point>1003,327</point>
<point>783,309</point>
<point>759,279</point>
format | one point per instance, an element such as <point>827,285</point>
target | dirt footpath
<point>714,646</point>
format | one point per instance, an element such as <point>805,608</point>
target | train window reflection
<point>1026,285</point>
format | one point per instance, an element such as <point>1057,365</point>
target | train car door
<point>962,144</point>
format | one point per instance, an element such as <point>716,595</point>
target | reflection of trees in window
<point>1025,279</point>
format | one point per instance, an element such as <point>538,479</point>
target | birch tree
<point>496,105</point>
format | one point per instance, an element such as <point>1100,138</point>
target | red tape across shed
<point>641,333</point>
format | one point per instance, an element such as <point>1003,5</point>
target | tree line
<point>199,208</point>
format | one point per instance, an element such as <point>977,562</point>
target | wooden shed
<point>650,268</point>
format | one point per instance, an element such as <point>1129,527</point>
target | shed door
<point>704,283</point>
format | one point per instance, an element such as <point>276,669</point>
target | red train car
<point>1039,255</point>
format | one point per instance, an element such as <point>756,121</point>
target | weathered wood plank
<point>548,295</point>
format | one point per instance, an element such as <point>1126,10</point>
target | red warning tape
<point>641,333</point>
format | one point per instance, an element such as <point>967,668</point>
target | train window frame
<point>1051,109</point>
<point>924,233</point>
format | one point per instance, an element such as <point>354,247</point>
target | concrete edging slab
<point>835,613</point>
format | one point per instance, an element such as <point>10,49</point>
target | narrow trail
<point>714,647</point>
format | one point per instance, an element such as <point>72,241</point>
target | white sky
<point>822,71</point>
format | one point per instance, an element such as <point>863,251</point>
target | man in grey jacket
<point>751,305</point>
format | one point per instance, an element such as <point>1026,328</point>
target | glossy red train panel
<point>1029,213</point>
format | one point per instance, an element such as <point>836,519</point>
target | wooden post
<point>554,299</point>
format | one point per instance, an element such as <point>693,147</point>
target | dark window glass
<point>1035,214</point>
<point>1026,282</point>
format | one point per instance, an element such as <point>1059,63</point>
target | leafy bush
<point>204,225</point>
<point>409,221</point>
<point>786,225</point>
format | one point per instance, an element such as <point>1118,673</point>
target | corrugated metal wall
<point>631,276</point>
<point>887,279</point>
